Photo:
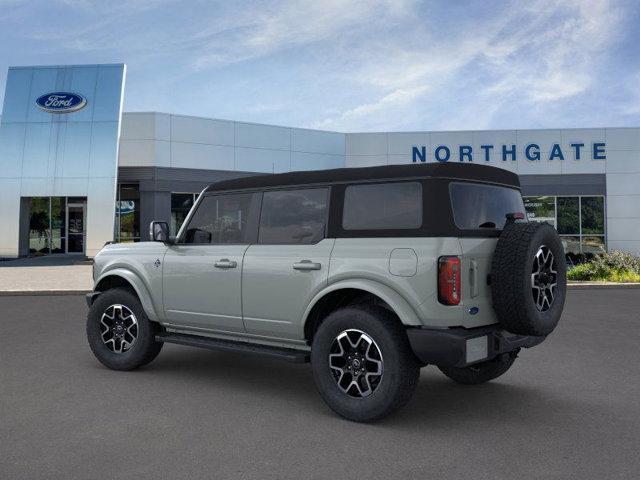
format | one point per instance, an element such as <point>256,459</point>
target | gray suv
<point>367,273</point>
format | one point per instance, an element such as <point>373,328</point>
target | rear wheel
<point>362,363</point>
<point>481,372</point>
<point>119,333</point>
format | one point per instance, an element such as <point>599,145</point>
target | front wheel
<point>119,333</point>
<point>362,363</point>
<point>481,372</point>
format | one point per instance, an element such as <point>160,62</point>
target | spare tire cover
<point>529,278</point>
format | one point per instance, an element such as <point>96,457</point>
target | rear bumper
<point>460,347</point>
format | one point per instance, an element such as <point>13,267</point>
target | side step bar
<point>286,354</point>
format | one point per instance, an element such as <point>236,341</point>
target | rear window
<point>477,206</point>
<point>388,206</point>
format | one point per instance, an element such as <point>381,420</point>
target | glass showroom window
<point>39,225</point>
<point>58,224</point>
<point>592,224</point>
<point>181,203</point>
<point>541,209</point>
<point>127,227</point>
<point>579,220</point>
<point>568,223</point>
<point>49,224</point>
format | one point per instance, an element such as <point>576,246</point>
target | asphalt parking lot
<point>568,409</point>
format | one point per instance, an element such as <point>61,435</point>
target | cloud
<point>630,103</point>
<point>94,26</point>
<point>534,55</point>
<point>213,34</point>
<point>551,57</point>
<point>344,64</point>
<point>285,25</point>
<point>397,98</point>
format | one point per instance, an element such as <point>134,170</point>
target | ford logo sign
<point>61,102</point>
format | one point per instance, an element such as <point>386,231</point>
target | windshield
<point>478,206</point>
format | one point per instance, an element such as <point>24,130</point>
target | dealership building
<point>76,171</point>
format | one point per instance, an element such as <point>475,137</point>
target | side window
<point>383,206</point>
<point>220,219</point>
<point>293,216</point>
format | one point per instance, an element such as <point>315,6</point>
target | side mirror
<point>159,231</point>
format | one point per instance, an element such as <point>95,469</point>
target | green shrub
<point>614,266</point>
<point>584,271</point>
<point>617,260</point>
<point>624,276</point>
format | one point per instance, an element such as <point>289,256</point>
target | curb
<point>22,293</point>
<point>601,286</point>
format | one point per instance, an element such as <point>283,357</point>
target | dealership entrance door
<point>76,221</point>
<point>53,225</point>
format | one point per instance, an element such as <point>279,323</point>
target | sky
<point>351,66</point>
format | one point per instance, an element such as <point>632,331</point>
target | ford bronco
<point>367,273</point>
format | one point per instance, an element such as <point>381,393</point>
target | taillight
<point>449,280</point>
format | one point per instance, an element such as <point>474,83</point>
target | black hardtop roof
<point>461,171</point>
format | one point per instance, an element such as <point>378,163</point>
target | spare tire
<point>529,278</point>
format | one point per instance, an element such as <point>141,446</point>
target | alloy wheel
<point>356,363</point>
<point>118,328</point>
<point>544,278</point>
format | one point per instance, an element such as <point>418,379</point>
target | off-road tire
<point>480,372</point>
<point>400,367</point>
<point>145,348</point>
<point>511,278</point>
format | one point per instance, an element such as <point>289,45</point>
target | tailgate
<point>477,254</point>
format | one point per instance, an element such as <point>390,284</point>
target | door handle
<point>473,278</point>
<point>225,263</point>
<point>306,265</point>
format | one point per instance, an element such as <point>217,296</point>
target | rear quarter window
<point>477,206</point>
<point>383,206</point>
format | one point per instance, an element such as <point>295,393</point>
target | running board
<point>287,354</point>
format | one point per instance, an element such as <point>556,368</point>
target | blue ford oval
<point>61,102</point>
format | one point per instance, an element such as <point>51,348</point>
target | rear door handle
<point>225,263</point>
<point>473,278</point>
<point>306,265</point>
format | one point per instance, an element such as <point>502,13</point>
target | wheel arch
<point>121,277</point>
<point>349,292</point>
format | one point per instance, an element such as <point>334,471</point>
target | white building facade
<point>561,170</point>
<point>106,184</point>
